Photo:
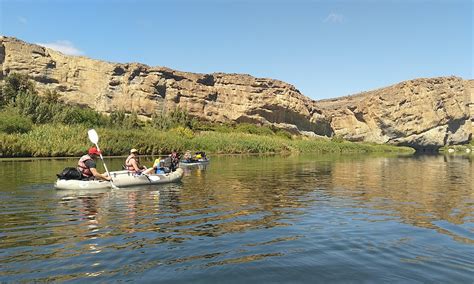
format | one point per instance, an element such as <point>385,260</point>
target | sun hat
<point>134,150</point>
<point>94,151</point>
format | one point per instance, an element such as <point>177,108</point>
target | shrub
<point>337,139</point>
<point>253,129</point>
<point>14,84</point>
<point>173,119</point>
<point>27,103</point>
<point>12,122</point>
<point>184,132</point>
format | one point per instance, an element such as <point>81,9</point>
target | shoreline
<point>13,159</point>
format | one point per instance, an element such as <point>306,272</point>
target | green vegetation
<point>458,149</point>
<point>12,122</point>
<point>42,126</point>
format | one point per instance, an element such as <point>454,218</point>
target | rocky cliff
<point>214,97</point>
<point>420,113</point>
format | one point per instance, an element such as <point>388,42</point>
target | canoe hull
<point>82,184</point>
<point>191,164</point>
<point>121,179</point>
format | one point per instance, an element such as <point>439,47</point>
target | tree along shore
<point>33,125</point>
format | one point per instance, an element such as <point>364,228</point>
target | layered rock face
<point>136,87</point>
<point>420,113</point>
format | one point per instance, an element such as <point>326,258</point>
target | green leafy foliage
<point>121,119</point>
<point>172,119</point>
<point>13,85</point>
<point>12,122</point>
<point>42,126</point>
<point>337,139</point>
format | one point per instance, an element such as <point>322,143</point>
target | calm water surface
<point>246,219</point>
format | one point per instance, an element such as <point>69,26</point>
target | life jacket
<point>129,165</point>
<point>81,166</point>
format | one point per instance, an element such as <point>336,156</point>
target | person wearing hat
<point>132,163</point>
<point>88,167</point>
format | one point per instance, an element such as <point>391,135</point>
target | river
<point>256,219</point>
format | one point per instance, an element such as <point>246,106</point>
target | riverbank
<point>43,126</point>
<point>57,140</point>
<point>467,149</point>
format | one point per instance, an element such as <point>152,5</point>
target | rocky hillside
<point>420,113</point>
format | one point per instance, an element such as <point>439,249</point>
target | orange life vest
<point>81,166</point>
<point>129,165</point>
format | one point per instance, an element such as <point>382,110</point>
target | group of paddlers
<point>87,165</point>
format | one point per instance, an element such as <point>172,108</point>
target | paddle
<point>94,138</point>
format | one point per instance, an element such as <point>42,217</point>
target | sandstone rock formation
<point>214,97</point>
<point>420,113</point>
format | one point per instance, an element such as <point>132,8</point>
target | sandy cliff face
<point>214,97</point>
<point>422,112</point>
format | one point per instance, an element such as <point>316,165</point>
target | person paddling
<point>132,163</point>
<point>159,168</point>
<point>88,167</point>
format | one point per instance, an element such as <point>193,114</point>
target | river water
<point>264,219</point>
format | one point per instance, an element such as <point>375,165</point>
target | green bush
<point>14,84</point>
<point>12,122</point>
<point>173,119</point>
<point>337,139</point>
<point>61,130</point>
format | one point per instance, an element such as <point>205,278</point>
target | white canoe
<point>193,163</point>
<point>121,179</point>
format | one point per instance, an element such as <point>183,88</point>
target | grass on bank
<point>56,140</point>
<point>34,125</point>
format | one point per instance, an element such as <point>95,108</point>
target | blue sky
<point>326,49</point>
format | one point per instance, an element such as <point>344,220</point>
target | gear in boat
<point>199,158</point>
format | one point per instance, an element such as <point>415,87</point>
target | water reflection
<point>421,189</point>
<point>307,213</point>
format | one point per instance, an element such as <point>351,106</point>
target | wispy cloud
<point>22,20</point>
<point>63,46</point>
<point>334,18</point>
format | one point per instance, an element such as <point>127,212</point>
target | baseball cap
<point>94,151</point>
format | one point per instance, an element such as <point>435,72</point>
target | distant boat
<point>190,163</point>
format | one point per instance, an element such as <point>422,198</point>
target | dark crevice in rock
<point>389,131</point>
<point>160,90</point>
<point>171,75</point>
<point>211,97</point>
<point>114,83</point>
<point>51,64</point>
<point>134,74</point>
<point>45,80</point>
<point>207,80</point>
<point>278,114</point>
<point>118,71</point>
<point>453,126</point>
<point>360,117</point>
<point>177,98</point>
<point>357,114</point>
<point>247,119</point>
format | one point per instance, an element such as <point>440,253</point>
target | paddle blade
<point>93,136</point>
<point>154,178</point>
